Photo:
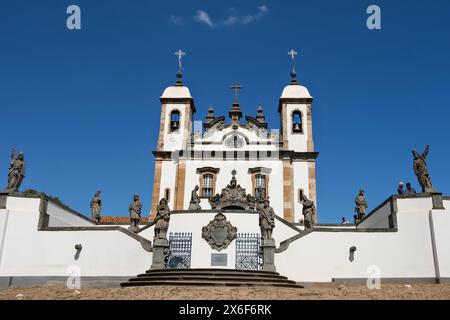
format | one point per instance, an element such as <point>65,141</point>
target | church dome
<point>176,92</point>
<point>295,91</point>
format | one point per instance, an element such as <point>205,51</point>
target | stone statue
<point>96,207</point>
<point>251,200</point>
<point>309,210</point>
<point>421,170</point>
<point>195,200</point>
<point>233,192</point>
<point>16,171</point>
<point>162,219</point>
<point>214,201</point>
<point>361,205</point>
<point>135,213</point>
<point>266,219</point>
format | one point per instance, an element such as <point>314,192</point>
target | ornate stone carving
<point>309,210</point>
<point>232,197</point>
<point>135,213</point>
<point>162,220</point>
<point>235,142</point>
<point>16,171</point>
<point>195,200</point>
<point>361,205</point>
<point>96,207</point>
<point>421,170</point>
<point>266,218</point>
<point>219,233</point>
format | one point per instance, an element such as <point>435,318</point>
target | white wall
<point>201,250</point>
<point>408,253</point>
<point>301,181</point>
<point>29,252</point>
<point>59,217</point>
<point>318,256</point>
<point>168,178</point>
<point>175,140</point>
<point>322,256</point>
<point>440,220</point>
<point>297,141</point>
<point>378,220</point>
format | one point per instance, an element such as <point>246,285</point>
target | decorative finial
<point>210,116</point>
<point>292,54</point>
<point>236,87</point>
<point>180,55</point>
<point>260,116</point>
<point>234,172</point>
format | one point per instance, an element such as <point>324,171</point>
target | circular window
<point>234,142</point>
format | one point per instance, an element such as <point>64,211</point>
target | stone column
<point>268,249</point>
<point>160,252</point>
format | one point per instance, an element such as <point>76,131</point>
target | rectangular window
<point>207,187</point>
<point>260,186</point>
<point>167,194</point>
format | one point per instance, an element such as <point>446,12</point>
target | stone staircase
<point>209,277</point>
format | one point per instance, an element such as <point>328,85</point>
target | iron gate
<point>248,251</point>
<point>180,246</point>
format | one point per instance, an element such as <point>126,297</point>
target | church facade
<point>278,164</point>
<point>228,195</point>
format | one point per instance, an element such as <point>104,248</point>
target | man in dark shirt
<point>409,189</point>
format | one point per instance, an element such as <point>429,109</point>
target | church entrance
<point>248,251</point>
<point>180,247</point>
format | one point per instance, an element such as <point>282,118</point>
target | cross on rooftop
<point>236,87</point>
<point>180,55</point>
<point>293,53</point>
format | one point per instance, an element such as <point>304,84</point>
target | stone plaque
<point>219,260</point>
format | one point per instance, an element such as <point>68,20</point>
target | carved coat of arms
<point>219,233</point>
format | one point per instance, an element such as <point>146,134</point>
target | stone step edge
<point>211,279</point>
<point>208,283</point>
<point>211,271</point>
<point>205,274</point>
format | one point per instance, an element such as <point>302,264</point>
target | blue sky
<point>84,105</point>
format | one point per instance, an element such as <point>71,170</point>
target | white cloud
<point>230,20</point>
<point>235,18</point>
<point>203,17</point>
<point>176,20</point>
<point>262,10</point>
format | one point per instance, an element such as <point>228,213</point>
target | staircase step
<point>212,271</point>
<point>206,274</point>
<point>210,283</point>
<point>210,277</point>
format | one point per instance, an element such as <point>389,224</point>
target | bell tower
<point>177,110</point>
<point>299,168</point>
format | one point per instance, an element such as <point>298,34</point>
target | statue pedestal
<point>3,197</point>
<point>436,198</point>
<point>160,252</point>
<point>268,249</point>
<point>133,229</point>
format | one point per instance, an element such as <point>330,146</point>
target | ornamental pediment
<point>235,136</point>
<point>233,197</point>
